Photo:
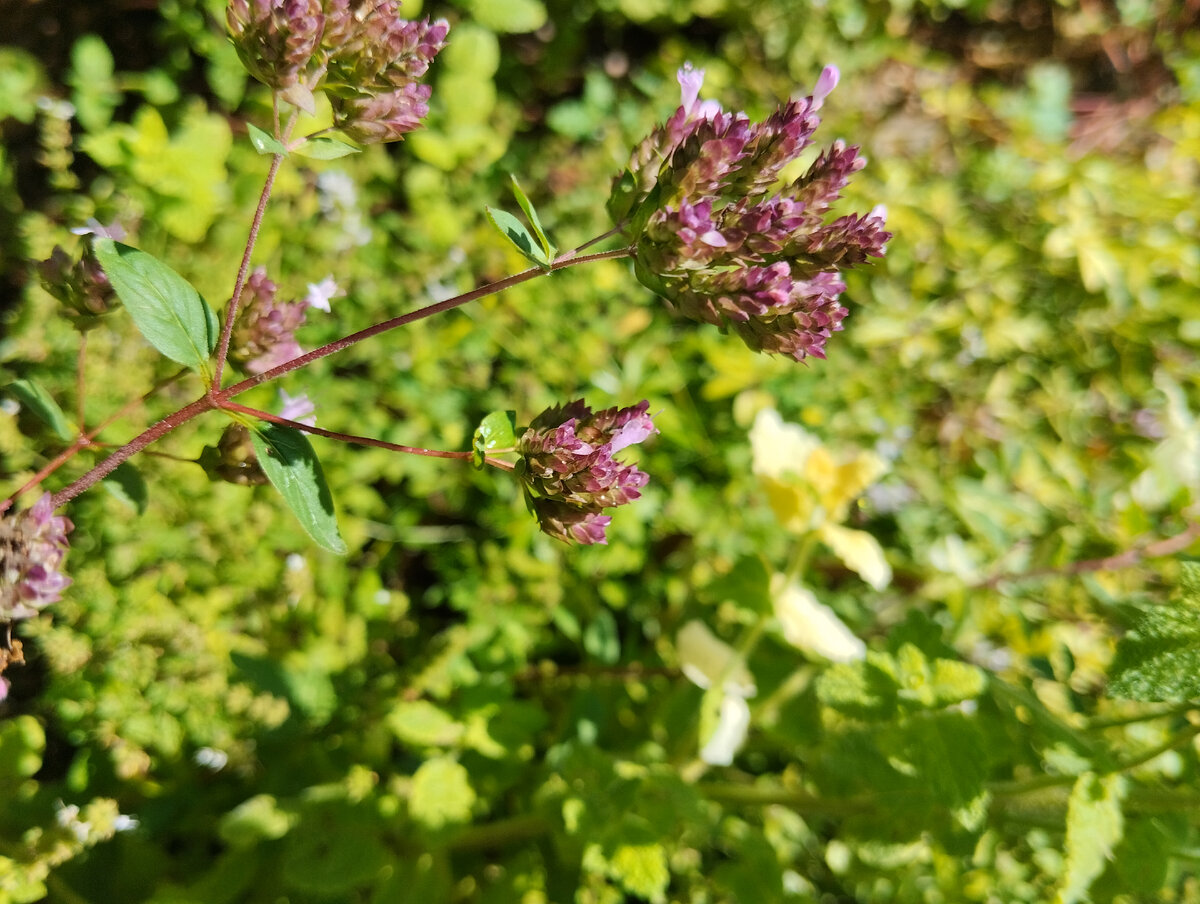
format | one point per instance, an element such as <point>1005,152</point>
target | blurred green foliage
<point>462,709</point>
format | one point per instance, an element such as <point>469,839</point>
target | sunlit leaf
<point>1094,825</point>
<point>288,459</point>
<point>33,396</point>
<point>264,142</point>
<point>165,307</point>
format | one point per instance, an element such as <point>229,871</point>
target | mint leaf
<point>165,307</point>
<point>1159,659</point>
<point>34,397</point>
<point>287,458</point>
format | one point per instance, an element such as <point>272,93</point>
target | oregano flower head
<point>359,52</point>
<point>570,472</point>
<point>265,334</point>
<point>723,244</point>
<point>33,544</point>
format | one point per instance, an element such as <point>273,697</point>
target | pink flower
<point>33,544</point>
<point>569,471</point>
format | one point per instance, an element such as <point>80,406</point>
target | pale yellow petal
<point>860,552</point>
<point>706,659</point>
<point>810,625</point>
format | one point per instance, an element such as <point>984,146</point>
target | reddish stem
<point>361,440</point>
<point>243,269</point>
<point>220,399</point>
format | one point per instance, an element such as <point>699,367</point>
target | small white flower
<point>125,823</point>
<point>298,408</point>
<point>320,294</point>
<point>211,758</point>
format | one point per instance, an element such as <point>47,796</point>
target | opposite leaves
<point>287,458</point>
<point>165,307</point>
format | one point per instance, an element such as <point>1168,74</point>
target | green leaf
<point>600,638</point>
<point>165,307</point>
<point>512,16</point>
<point>326,149</point>
<point>264,142</point>
<point>22,741</point>
<point>1094,826</point>
<point>257,819</point>
<point>514,230</point>
<point>34,397</point>
<point>128,485</point>
<point>531,214</point>
<point>329,864</point>
<point>441,794</point>
<point>747,585</point>
<point>1159,659</point>
<point>496,431</point>
<point>287,458</point>
<point>419,723</point>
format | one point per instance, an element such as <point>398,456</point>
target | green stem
<point>501,833</point>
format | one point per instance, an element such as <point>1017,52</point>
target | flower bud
<point>265,334</point>
<point>33,544</point>
<point>569,471</point>
<point>233,460</point>
<point>80,285</point>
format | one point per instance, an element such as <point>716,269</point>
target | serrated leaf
<point>514,230</point>
<point>531,214</point>
<point>34,397</point>
<point>497,430</point>
<point>127,484</point>
<point>326,149</point>
<point>441,794</point>
<point>264,142</point>
<point>165,307</point>
<point>288,459</point>
<point>1159,659</point>
<point>1094,825</point>
<point>642,870</point>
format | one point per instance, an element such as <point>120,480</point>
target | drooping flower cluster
<point>360,52</point>
<point>717,241</point>
<point>33,544</point>
<point>569,471</point>
<point>265,334</point>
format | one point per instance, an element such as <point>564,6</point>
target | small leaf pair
<point>514,230</point>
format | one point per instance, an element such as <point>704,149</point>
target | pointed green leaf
<point>34,397</point>
<point>326,149</point>
<point>165,307</point>
<point>1159,659</point>
<point>531,213</point>
<point>495,431</point>
<point>127,484</point>
<point>264,142</point>
<point>1094,826</point>
<point>288,459</point>
<point>514,230</point>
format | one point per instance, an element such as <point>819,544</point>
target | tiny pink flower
<point>33,544</point>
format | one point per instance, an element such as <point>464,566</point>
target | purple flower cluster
<point>716,239</point>
<point>360,52</point>
<point>33,544</point>
<point>569,471</point>
<point>264,336</point>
